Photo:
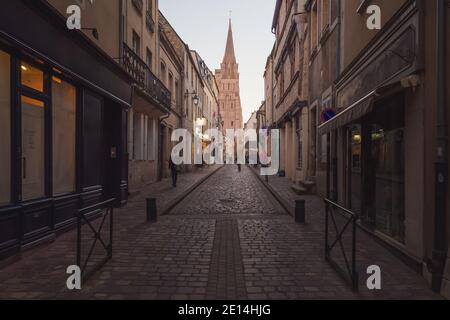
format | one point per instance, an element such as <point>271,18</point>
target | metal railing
<point>106,210</point>
<point>145,79</point>
<point>349,273</point>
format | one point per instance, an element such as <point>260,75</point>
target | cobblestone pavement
<point>229,239</point>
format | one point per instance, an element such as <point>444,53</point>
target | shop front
<point>375,167</point>
<point>63,109</point>
<point>375,142</point>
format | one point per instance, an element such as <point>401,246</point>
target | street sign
<point>328,114</point>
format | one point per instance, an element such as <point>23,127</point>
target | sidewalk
<point>398,280</point>
<point>165,194</point>
<point>29,278</point>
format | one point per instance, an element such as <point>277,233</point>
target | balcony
<point>145,79</point>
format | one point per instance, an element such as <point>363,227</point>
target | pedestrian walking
<point>174,172</point>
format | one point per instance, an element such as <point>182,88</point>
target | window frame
<point>12,110</point>
<point>76,149</point>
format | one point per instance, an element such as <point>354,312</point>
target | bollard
<point>300,216</point>
<point>152,214</point>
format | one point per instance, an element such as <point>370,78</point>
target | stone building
<point>288,83</point>
<point>323,36</point>
<point>268,91</point>
<point>171,73</point>
<point>252,122</point>
<point>209,97</point>
<point>152,100</point>
<point>64,146</point>
<point>388,143</point>
<point>228,81</point>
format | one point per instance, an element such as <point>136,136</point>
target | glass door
<point>32,104</point>
<point>33,148</point>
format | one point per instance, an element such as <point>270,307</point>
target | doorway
<point>376,168</point>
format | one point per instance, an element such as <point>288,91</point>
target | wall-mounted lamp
<point>195,98</point>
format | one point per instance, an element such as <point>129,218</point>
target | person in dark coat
<point>174,172</point>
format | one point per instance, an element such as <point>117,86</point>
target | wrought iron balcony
<point>145,79</point>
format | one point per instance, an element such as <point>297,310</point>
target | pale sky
<point>203,25</point>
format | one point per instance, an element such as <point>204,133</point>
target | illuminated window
<point>64,123</point>
<point>5,129</point>
<point>32,77</point>
<point>33,147</point>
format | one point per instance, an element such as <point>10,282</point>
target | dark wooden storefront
<point>34,38</point>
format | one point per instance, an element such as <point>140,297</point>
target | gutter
<point>437,264</point>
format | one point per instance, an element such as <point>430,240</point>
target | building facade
<point>228,81</point>
<point>387,145</point>
<point>171,74</point>
<point>208,96</point>
<point>152,99</point>
<point>63,132</point>
<point>252,122</point>
<point>323,37</point>
<point>288,83</point>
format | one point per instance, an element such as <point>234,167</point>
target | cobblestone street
<point>228,239</point>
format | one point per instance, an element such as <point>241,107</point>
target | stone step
<point>304,187</point>
<point>298,189</point>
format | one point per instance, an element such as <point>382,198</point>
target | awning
<point>352,113</point>
<point>362,107</point>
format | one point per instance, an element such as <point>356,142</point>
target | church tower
<point>228,82</point>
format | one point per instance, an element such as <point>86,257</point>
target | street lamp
<point>201,122</point>
<point>195,98</point>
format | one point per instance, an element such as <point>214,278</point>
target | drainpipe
<point>338,51</point>
<point>441,165</point>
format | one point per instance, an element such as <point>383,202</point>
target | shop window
<point>92,140</point>
<point>64,124</point>
<point>33,148</point>
<point>355,165</point>
<point>387,171</point>
<point>32,77</point>
<point>377,169</point>
<point>5,129</point>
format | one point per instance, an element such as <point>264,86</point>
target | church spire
<point>229,51</point>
